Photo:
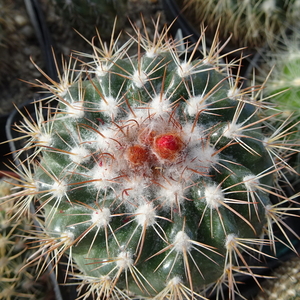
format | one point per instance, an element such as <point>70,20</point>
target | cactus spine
<point>17,277</point>
<point>153,174</point>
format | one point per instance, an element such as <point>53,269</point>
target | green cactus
<point>285,73</point>
<point>153,174</point>
<point>252,23</point>
<point>283,84</point>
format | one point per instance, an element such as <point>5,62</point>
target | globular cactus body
<point>153,173</point>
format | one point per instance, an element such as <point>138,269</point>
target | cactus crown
<point>153,174</point>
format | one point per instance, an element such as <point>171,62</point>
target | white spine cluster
<point>185,69</point>
<point>101,217</point>
<point>145,215</point>
<point>195,105</point>
<point>182,242</point>
<point>139,78</point>
<point>124,260</point>
<point>214,196</point>
<point>79,154</point>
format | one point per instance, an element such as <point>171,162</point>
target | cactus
<point>283,85</point>
<point>17,277</point>
<point>285,284</point>
<point>285,73</point>
<point>153,174</point>
<point>251,23</point>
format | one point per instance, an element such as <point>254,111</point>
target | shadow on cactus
<point>154,174</point>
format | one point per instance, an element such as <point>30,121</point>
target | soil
<point>19,45</point>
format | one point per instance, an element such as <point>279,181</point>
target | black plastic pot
<point>173,12</point>
<point>42,33</point>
